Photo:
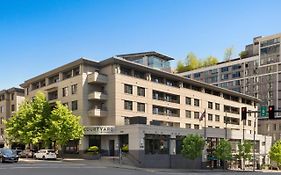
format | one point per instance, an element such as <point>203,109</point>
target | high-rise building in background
<point>256,73</point>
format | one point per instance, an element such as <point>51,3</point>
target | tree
<point>228,53</point>
<point>192,146</point>
<point>29,123</point>
<point>210,60</point>
<point>192,62</point>
<point>181,67</point>
<point>223,151</point>
<point>243,54</point>
<point>244,151</point>
<point>64,126</point>
<point>275,153</point>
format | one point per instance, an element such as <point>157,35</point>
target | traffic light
<point>271,112</point>
<point>244,113</point>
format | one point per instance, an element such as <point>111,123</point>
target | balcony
<point>97,113</point>
<point>97,78</point>
<point>97,96</point>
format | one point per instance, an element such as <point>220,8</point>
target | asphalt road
<point>81,168</point>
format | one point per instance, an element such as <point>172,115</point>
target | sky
<point>39,35</point>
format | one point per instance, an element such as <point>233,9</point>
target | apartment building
<point>125,102</point>
<point>256,74</point>
<point>9,103</point>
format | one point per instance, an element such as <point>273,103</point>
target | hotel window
<point>210,117</point>
<point>141,107</point>
<point>128,105</point>
<point>217,118</point>
<point>196,115</point>
<point>196,126</point>
<point>196,102</point>
<point>12,96</point>
<point>74,105</point>
<point>141,91</point>
<point>188,100</point>
<point>187,114</point>
<point>1,120</point>
<point>217,106</point>
<point>210,105</point>
<point>76,71</point>
<point>156,144</point>
<point>249,123</point>
<point>128,89</point>
<point>74,89</point>
<point>188,125</point>
<point>65,91</point>
<point>12,108</point>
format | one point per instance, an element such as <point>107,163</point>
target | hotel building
<point>134,100</point>
<point>9,103</point>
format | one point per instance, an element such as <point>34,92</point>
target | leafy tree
<point>35,122</point>
<point>181,67</point>
<point>193,146</point>
<point>63,125</point>
<point>275,153</point>
<point>243,54</point>
<point>192,62</point>
<point>228,53</point>
<point>29,123</point>
<point>244,151</point>
<point>210,60</point>
<point>223,151</point>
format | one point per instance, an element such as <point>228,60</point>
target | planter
<point>91,156</point>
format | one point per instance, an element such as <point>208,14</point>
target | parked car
<point>28,153</point>
<point>45,154</point>
<point>8,155</point>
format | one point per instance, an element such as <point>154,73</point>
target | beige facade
<point>116,92</point>
<point>10,101</point>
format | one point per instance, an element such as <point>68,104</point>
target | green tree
<point>223,151</point>
<point>192,146</point>
<point>29,122</point>
<point>64,126</point>
<point>192,62</point>
<point>243,54</point>
<point>275,153</point>
<point>210,60</point>
<point>181,67</point>
<point>244,152</point>
<point>228,53</point>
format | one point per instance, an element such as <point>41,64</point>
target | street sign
<point>263,111</point>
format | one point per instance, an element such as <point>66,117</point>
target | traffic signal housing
<point>244,113</point>
<point>271,112</point>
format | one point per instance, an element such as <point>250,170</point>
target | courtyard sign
<point>93,130</point>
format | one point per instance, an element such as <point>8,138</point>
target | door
<point>111,147</point>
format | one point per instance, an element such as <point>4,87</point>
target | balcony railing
<point>97,112</point>
<point>97,78</point>
<point>97,96</point>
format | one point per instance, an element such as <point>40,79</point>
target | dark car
<point>8,155</point>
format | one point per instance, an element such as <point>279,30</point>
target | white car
<point>45,154</point>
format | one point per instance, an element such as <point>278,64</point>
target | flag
<point>203,115</point>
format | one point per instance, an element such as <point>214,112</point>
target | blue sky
<point>39,35</point>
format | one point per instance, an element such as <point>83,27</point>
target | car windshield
<point>7,152</point>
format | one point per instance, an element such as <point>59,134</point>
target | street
<point>82,167</point>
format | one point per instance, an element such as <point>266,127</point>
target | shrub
<point>94,149</point>
<point>125,148</point>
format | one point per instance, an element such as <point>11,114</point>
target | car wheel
<point>43,158</point>
<point>3,160</point>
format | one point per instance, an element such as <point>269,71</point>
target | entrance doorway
<point>111,148</point>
